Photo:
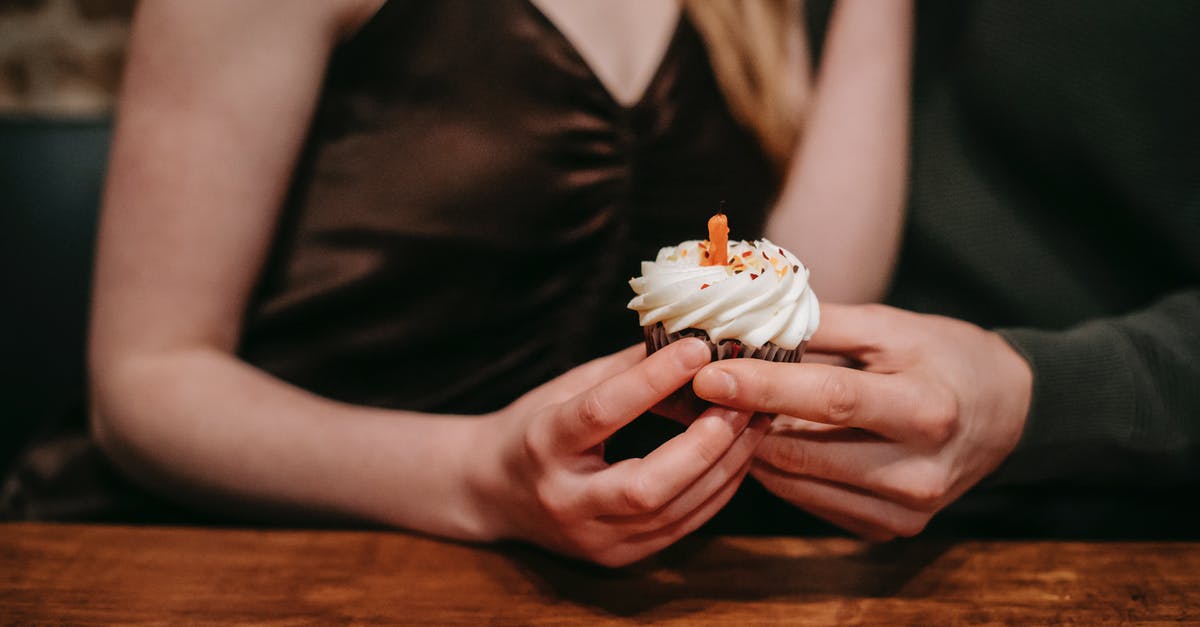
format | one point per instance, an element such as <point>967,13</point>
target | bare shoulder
<point>335,18</point>
<point>215,104</point>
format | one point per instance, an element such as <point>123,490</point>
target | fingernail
<point>694,354</point>
<point>737,418</point>
<point>715,383</point>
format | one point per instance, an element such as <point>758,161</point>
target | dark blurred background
<point>60,67</point>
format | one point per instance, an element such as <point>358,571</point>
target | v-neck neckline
<point>594,78</point>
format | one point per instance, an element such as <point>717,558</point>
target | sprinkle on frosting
<point>728,301</point>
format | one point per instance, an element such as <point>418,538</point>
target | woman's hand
<point>938,405</point>
<point>542,476</point>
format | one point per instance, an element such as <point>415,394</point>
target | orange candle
<point>718,241</point>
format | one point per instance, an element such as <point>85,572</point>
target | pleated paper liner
<point>657,337</point>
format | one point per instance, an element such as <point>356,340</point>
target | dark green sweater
<point>1056,197</point>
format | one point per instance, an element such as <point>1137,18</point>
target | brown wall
<point>61,57</point>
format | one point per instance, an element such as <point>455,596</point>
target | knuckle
<point>661,382</point>
<point>907,526</point>
<point>926,488</point>
<point>713,440</point>
<point>924,495</point>
<point>940,420</point>
<point>590,411</point>
<point>787,456</point>
<point>841,399</point>
<point>640,497</point>
<point>661,376</point>
<point>753,383</point>
<point>533,444</point>
<point>760,385</point>
<point>550,500</point>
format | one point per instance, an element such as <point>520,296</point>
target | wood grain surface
<point>94,574</point>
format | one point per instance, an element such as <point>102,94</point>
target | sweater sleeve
<point>1116,401</point>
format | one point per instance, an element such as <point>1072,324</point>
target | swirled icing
<point>761,295</point>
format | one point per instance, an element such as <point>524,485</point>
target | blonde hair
<point>761,62</point>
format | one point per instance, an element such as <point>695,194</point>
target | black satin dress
<point>472,202</point>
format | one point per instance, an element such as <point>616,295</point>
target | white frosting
<point>761,297</point>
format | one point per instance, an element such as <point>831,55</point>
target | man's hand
<point>938,405</point>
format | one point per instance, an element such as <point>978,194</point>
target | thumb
<point>584,376</point>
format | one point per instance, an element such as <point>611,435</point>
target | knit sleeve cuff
<point>1083,400</point>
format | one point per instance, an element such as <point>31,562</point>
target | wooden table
<point>85,574</point>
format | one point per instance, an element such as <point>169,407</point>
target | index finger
<point>587,375</point>
<point>886,404</point>
<point>854,329</point>
<point>591,417</point>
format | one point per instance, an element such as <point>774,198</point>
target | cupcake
<point>746,299</point>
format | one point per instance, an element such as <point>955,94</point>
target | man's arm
<point>940,404</point>
<point>1115,400</point>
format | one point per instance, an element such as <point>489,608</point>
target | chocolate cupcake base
<point>657,337</point>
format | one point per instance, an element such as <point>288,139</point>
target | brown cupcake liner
<point>657,337</point>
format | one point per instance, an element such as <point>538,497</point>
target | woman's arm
<point>215,106</point>
<point>842,207</point>
<point>217,99</point>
